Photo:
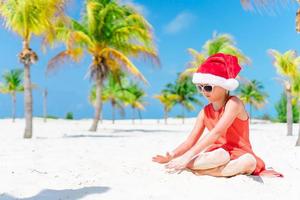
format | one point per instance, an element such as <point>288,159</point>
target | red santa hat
<point>219,69</point>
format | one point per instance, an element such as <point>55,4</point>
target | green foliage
<point>185,90</point>
<point>224,43</point>
<point>168,100</point>
<point>252,93</point>
<point>286,63</point>
<point>12,81</point>
<point>219,43</point>
<point>69,115</point>
<point>109,32</point>
<point>120,92</point>
<point>296,87</point>
<point>48,117</point>
<point>114,91</point>
<point>52,117</point>
<point>281,110</point>
<point>29,17</point>
<point>135,96</point>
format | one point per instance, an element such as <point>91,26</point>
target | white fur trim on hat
<point>228,84</point>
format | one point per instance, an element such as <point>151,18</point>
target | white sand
<point>64,161</point>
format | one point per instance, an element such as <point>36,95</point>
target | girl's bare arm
<point>232,109</point>
<point>192,138</point>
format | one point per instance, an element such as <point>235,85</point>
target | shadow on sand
<point>257,179</point>
<point>145,130</point>
<point>49,194</point>
<point>116,131</point>
<point>96,136</point>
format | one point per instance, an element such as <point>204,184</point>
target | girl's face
<point>212,92</point>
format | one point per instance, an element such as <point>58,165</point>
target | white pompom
<point>232,84</point>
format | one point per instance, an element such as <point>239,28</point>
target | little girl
<point>226,150</point>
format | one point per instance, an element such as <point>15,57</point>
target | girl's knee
<point>249,163</point>
<point>221,153</point>
<point>211,159</point>
<point>245,164</point>
<point>218,155</point>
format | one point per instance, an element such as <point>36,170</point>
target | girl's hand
<point>162,159</point>
<point>179,163</point>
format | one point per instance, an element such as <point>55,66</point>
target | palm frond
<point>188,72</point>
<point>68,55</point>
<point>29,17</point>
<point>287,63</point>
<point>266,5</point>
<point>12,81</point>
<point>123,60</point>
<point>252,93</point>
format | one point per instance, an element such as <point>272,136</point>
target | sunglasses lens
<point>207,88</point>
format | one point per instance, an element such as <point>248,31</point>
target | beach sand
<point>65,161</point>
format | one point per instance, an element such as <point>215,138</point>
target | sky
<point>177,26</point>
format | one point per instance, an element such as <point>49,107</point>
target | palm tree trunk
<point>98,105</point>
<point>250,112</point>
<point>13,96</point>
<point>182,114</point>
<point>289,112</point>
<point>166,115</point>
<point>45,95</point>
<point>101,115</point>
<point>27,101</point>
<point>140,115</point>
<point>298,140</point>
<point>113,111</point>
<point>132,115</point>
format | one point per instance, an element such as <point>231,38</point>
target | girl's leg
<point>245,164</point>
<point>210,160</point>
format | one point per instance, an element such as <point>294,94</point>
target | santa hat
<point>219,69</point>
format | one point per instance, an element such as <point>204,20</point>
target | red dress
<point>235,140</point>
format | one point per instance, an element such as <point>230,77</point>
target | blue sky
<point>177,25</point>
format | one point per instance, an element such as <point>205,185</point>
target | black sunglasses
<point>206,88</point>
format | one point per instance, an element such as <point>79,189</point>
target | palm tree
<point>92,101</point>
<point>12,85</point>
<point>28,18</point>
<point>168,100</point>
<point>286,65</point>
<point>114,92</point>
<point>109,32</point>
<point>280,107</point>
<point>220,43</point>
<point>267,6</point>
<point>134,97</point>
<point>296,93</point>
<point>224,43</point>
<point>252,93</point>
<point>197,59</point>
<point>45,96</point>
<point>185,90</point>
